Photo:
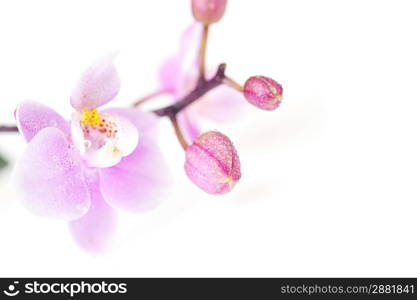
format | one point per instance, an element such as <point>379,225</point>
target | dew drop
<point>81,208</point>
<point>87,144</point>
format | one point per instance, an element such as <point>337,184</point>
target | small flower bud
<point>212,163</point>
<point>263,92</point>
<point>208,11</point>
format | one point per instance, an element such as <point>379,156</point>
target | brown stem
<point>9,129</point>
<point>202,53</point>
<point>178,132</point>
<point>142,100</point>
<point>203,86</point>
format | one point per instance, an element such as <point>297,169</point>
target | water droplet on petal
<point>87,144</point>
<point>82,208</point>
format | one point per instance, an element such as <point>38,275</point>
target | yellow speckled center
<point>91,117</point>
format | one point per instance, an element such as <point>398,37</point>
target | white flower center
<point>103,139</point>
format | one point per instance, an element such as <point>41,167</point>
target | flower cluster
<point>83,168</point>
<point>81,171</point>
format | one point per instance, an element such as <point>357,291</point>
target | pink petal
<point>220,105</point>
<point>188,123</point>
<point>190,40</point>
<point>138,181</point>
<point>49,177</point>
<point>98,85</point>
<point>174,70</point>
<point>32,117</point>
<point>93,231</point>
<point>168,74</point>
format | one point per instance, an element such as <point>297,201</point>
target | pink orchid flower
<point>79,171</point>
<point>178,76</point>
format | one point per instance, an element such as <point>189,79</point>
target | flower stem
<point>9,129</point>
<point>178,132</point>
<point>203,86</point>
<point>202,53</point>
<point>144,99</point>
<point>233,84</point>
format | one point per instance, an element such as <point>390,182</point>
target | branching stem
<point>203,86</point>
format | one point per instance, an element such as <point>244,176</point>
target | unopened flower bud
<point>208,11</point>
<point>212,163</point>
<point>263,92</point>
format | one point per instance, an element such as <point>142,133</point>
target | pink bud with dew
<point>212,163</point>
<point>208,11</point>
<point>263,92</point>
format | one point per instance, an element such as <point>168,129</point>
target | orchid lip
<point>103,139</point>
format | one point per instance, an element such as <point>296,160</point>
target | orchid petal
<point>32,117</point>
<point>146,123</point>
<point>49,177</point>
<point>168,74</point>
<point>93,231</point>
<point>188,123</point>
<point>140,179</point>
<point>98,85</point>
<point>220,105</point>
<point>184,62</point>
<point>103,145</point>
<point>114,149</point>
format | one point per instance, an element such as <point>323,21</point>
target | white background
<point>328,186</point>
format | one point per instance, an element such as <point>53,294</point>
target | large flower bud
<point>212,163</point>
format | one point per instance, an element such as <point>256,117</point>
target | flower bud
<point>212,163</point>
<point>208,11</point>
<point>263,92</point>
